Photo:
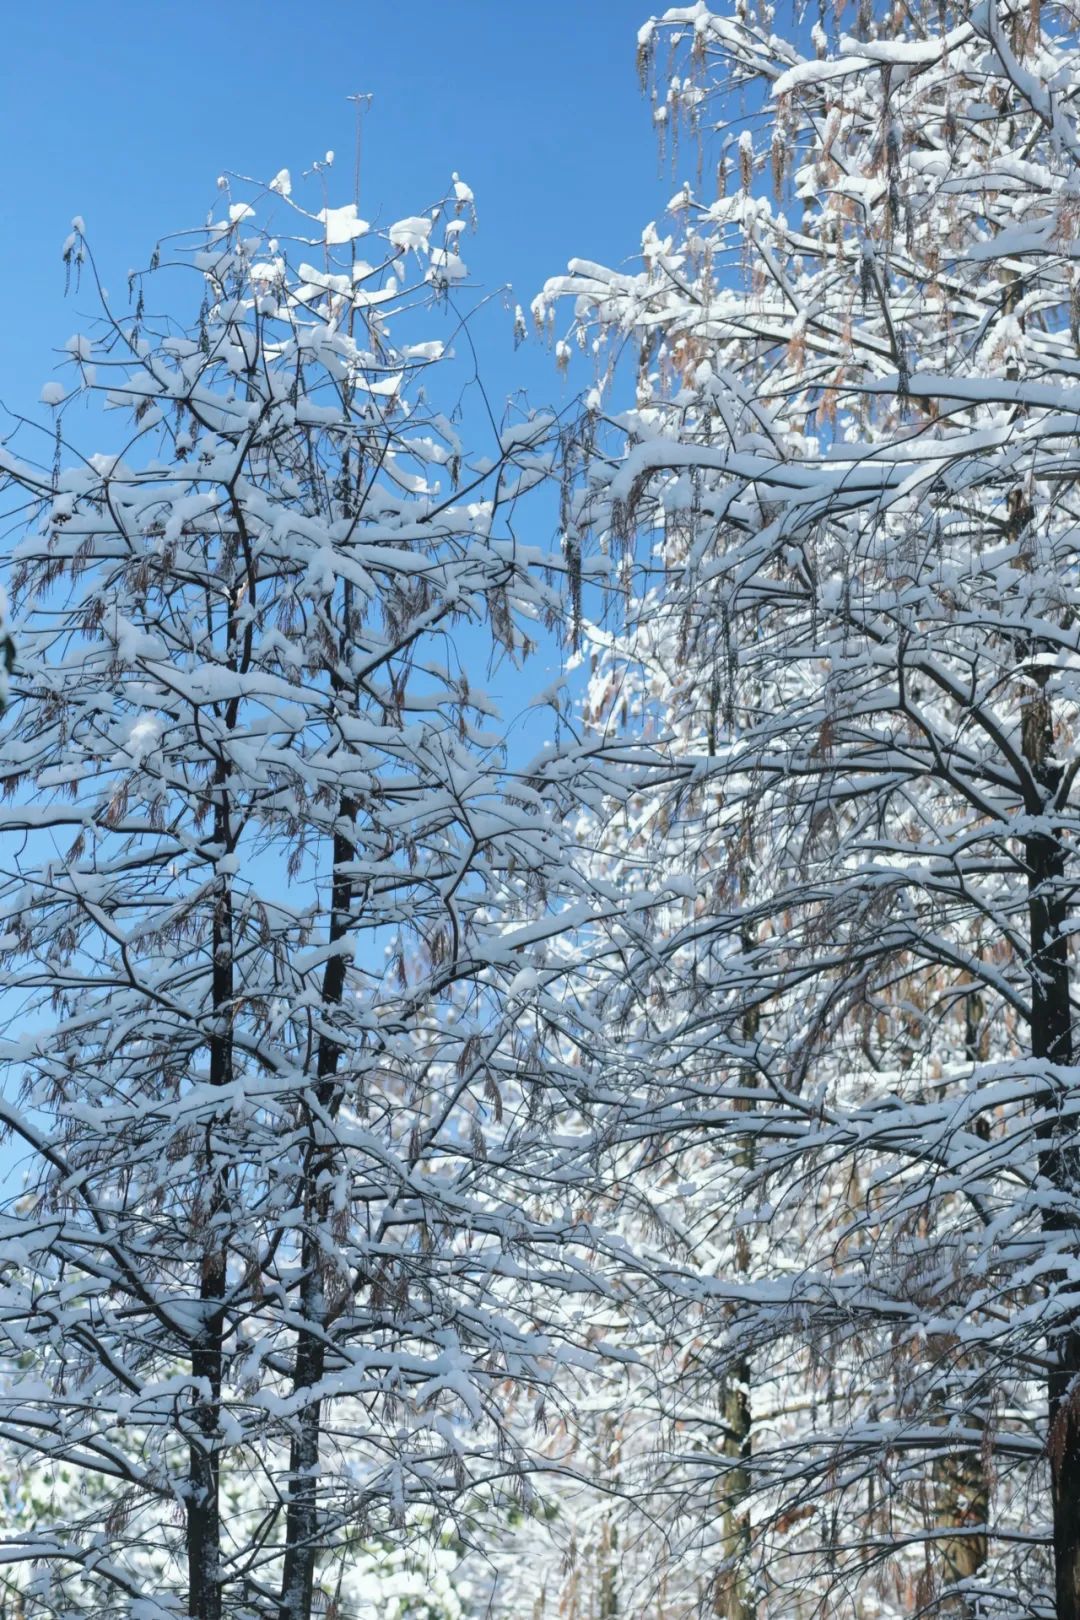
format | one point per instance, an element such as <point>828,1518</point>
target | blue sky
<point>125,111</point>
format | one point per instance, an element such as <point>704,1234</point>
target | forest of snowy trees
<point>623,1165</point>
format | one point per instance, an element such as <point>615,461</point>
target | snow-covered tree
<point>276,904</point>
<point>845,493</point>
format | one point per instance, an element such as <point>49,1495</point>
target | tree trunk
<point>737,1601</point>
<point>302,1512</point>
<point>204,1504</point>
<point>609,1457</point>
<point>204,1508</point>
<point>963,1502</point>
<point>1051,1041</point>
<point>962,1497</point>
<point>736,1593</point>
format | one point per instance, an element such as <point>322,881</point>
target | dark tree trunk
<point>1051,1040</point>
<point>737,1596</point>
<point>302,1512</point>
<point>962,1495</point>
<point>204,1503</point>
<point>204,1509</point>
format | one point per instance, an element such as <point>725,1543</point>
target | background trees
<point>852,447</point>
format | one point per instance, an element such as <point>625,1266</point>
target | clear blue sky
<point>125,111</point>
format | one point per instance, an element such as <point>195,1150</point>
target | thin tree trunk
<point>302,1512</point>
<point>608,1549</point>
<point>207,1357</point>
<point>1051,1041</point>
<point>738,1603</point>
<point>204,1508</point>
<point>204,1483</point>
<point>962,1498</point>
<point>737,1588</point>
